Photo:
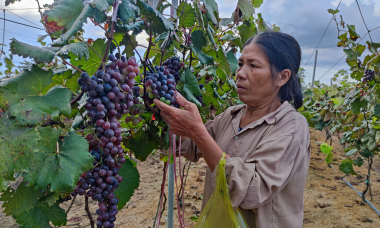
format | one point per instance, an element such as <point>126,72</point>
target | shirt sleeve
<point>256,181</point>
<point>188,148</point>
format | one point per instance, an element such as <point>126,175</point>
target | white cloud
<point>375,3</point>
<point>346,2</point>
<point>277,5</point>
<point>377,9</point>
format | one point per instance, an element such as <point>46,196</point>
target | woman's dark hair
<point>283,52</point>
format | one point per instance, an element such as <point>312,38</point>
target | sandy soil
<point>329,202</point>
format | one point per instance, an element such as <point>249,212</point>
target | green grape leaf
<point>158,22</point>
<point>3,183</point>
<point>351,30</point>
<point>246,8</point>
<point>190,87</point>
<point>80,49</point>
<point>376,110</point>
<point>131,181</point>
<point>212,9</point>
<point>246,33</point>
<point>346,167</point>
<point>101,5</point>
<point>333,11</point>
<point>208,97</point>
<point>40,215</point>
<point>91,65</point>
<point>351,55</point>
<point>23,94</point>
<point>338,101</point>
<point>17,144</point>
<point>356,104</point>
<point>367,153</point>
<point>64,12</point>
<point>319,125</point>
<point>67,79</point>
<point>136,27</point>
<point>129,50</point>
<point>329,158</point>
<point>232,60</point>
<point>39,54</point>
<point>325,148</point>
<point>351,152</point>
<point>360,49</point>
<point>372,47</point>
<point>203,58</point>
<point>76,26</point>
<point>52,199</point>
<point>198,39</point>
<point>20,200</point>
<point>190,82</point>
<point>144,142</point>
<point>359,161</point>
<point>229,37</point>
<point>257,3</point>
<point>223,71</point>
<point>117,38</point>
<point>225,21</point>
<point>127,10</point>
<point>262,26</point>
<point>187,16</point>
<point>61,165</point>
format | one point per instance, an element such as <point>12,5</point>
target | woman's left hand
<point>186,122</point>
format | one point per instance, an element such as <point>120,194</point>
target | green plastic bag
<point>218,212</point>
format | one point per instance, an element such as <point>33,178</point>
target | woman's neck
<point>254,113</point>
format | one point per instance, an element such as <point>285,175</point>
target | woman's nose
<point>241,73</point>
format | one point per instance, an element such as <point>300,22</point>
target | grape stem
<point>49,123</point>
<point>64,61</point>
<point>77,98</point>
<point>88,212</point>
<point>110,38</point>
<point>71,204</point>
<point>191,58</point>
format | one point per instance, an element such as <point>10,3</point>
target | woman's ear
<point>283,77</point>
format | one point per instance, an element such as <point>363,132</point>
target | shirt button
<point>236,137</point>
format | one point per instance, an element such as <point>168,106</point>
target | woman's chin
<point>241,98</point>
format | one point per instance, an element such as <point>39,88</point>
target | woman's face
<point>254,81</point>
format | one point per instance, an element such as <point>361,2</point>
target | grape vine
<point>92,118</point>
<point>348,109</point>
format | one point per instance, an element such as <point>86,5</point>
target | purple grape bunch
<point>162,83</point>
<point>112,94</point>
<point>369,75</point>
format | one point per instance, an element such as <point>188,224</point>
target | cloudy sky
<point>306,20</point>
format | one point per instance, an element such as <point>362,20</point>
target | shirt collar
<point>270,118</point>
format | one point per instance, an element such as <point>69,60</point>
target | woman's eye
<point>240,64</point>
<point>253,65</point>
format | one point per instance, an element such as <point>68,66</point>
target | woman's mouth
<point>239,88</point>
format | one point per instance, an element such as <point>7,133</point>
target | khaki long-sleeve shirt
<point>267,171</point>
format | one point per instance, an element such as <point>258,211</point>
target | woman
<point>266,140</point>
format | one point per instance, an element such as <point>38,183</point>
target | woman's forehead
<point>252,52</point>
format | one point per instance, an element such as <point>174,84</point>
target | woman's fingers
<point>182,101</point>
<point>166,110</point>
<point>161,105</point>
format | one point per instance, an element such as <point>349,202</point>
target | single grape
<point>84,76</point>
<point>111,57</point>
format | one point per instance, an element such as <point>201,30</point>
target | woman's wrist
<point>199,134</point>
